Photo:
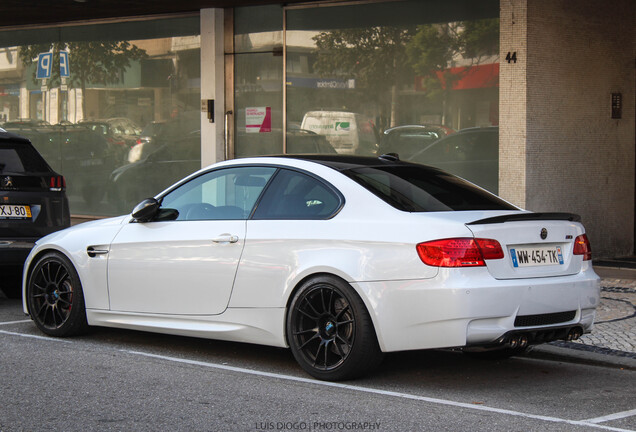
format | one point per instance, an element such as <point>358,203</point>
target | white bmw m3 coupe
<point>339,258</point>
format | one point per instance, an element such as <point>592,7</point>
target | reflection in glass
<point>393,77</point>
<point>258,99</point>
<point>87,106</point>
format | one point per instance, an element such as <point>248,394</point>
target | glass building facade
<point>370,79</point>
<point>113,107</point>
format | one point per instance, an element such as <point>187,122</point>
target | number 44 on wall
<point>511,57</point>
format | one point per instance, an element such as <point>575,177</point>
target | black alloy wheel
<point>330,332</point>
<point>55,298</point>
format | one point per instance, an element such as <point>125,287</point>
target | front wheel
<point>330,331</point>
<point>55,298</point>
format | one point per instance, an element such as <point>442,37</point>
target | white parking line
<point>14,322</point>
<point>592,423</point>
<point>611,417</point>
<point>46,338</point>
<point>377,391</point>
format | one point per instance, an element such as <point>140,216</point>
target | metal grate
<point>544,319</point>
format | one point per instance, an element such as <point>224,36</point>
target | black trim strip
<point>528,217</point>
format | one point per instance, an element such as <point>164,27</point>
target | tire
<point>55,297</point>
<point>330,332</point>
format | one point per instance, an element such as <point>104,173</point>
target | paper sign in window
<point>258,119</point>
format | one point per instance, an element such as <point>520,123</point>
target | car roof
<point>346,162</point>
<point>417,126</point>
<point>478,129</point>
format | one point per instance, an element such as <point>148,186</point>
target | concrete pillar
<point>560,150</point>
<point>53,105</point>
<point>512,100</point>
<point>25,107</point>
<point>212,85</point>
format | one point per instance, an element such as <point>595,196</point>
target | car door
<point>186,266</point>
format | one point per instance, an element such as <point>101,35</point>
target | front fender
<point>73,243</point>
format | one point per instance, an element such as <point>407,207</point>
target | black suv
<point>33,203</point>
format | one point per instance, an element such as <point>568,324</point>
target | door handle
<point>226,238</point>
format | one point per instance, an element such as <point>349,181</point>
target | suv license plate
<point>9,211</point>
<point>528,256</point>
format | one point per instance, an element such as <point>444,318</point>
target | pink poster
<point>258,119</point>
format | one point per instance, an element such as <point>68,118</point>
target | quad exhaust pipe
<point>573,334</point>
<point>522,340</point>
<point>518,341</point>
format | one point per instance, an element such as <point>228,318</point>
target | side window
<point>294,195</point>
<point>224,194</point>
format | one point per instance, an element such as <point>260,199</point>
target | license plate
<point>9,211</point>
<point>528,256</point>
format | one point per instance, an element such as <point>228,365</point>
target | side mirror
<point>145,210</point>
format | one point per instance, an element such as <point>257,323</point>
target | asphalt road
<point>115,380</point>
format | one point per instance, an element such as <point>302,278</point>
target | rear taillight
<point>582,247</point>
<point>459,252</point>
<point>57,183</point>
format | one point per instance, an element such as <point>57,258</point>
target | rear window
<point>20,158</point>
<point>421,189</point>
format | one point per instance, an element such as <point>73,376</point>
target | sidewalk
<point>613,340</point>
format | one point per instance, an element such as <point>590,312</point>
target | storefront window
<point>369,79</point>
<point>258,80</point>
<point>112,107</point>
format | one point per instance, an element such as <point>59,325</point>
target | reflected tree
<point>385,59</point>
<point>436,48</point>
<point>376,57</point>
<point>99,62</point>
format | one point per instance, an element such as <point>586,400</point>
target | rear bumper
<point>471,308</point>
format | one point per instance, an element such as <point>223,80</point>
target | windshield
<point>422,189</point>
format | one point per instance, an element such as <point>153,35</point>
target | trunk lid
<point>534,244</point>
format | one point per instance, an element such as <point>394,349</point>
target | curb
<point>581,356</point>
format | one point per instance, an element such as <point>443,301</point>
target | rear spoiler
<point>528,217</point>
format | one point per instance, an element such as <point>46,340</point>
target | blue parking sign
<point>64,66</point>
<point>44,65</point>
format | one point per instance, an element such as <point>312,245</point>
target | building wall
<point>512,101</point>
<point>576,158</point>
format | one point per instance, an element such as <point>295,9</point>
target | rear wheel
<point>330,331</point>
<point>55,297</point>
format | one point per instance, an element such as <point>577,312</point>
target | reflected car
<point>339,258</point>
<point>299,141</point>
<point>347,132</point>
<point>472,154</point>
<point>120,133</point>
<point>151,131</point>
<point>82,155</point>
<point>133,182</point>
<point>410,139</point>
<point>24,122</point>
<point>158,133</point>
<point>33,205</point>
